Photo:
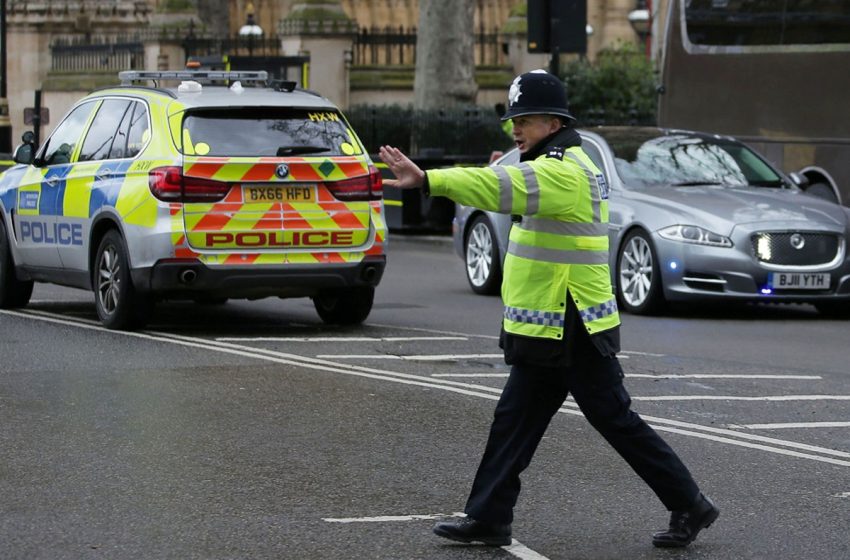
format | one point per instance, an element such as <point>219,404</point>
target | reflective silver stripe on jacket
<point>599,311</point>
<point>594,187</point>
<point>543,318</point>
<point>506,192</point>
<point>532,187</point>
<point>546,225</point>
<point>560,256</point>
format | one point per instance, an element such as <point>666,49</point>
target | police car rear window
<point>267,131</point>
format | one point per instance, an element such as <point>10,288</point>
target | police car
<point>234,188</point>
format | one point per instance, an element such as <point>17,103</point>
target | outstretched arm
<point>408,174</point>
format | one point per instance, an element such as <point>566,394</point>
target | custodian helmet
<point>537,93</point>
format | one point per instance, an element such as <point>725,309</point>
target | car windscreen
<point>267,131</point>
<point>656,158</point>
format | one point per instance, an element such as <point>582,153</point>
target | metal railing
<point>232,46</point>
<point>113,57</point>
<point>397,45</point>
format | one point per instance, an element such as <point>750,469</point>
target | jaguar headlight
<point>694,234</point>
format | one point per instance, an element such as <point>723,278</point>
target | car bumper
<point>192,278</point>
<point>694,273</point>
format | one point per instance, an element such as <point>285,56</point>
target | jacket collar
<point>563,138</point>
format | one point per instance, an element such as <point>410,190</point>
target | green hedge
<point>619,88</point>
<point>469,130</point>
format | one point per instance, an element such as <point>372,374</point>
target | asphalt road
<point>250,430</point>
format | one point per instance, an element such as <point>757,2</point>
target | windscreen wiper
<point>768,183</point>
<point>696,183</point>
<point>292,150</point>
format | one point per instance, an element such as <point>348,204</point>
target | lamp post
<point>250,30</point>
<point>640,19</point>
<point>5,122</point>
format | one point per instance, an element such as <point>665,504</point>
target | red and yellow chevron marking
<point>276,232</point>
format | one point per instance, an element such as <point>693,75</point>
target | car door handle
<point>51,181</point>
<point>103,175</point>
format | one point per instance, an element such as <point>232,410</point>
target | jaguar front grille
<point>796,248</point>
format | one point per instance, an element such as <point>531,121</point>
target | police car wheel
<point>13,292</point>
<point>483,263</point>
<point>638,276</point>
<point>345,307</point>
<point>119,306</point>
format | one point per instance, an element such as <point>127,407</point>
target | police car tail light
<point>170,185</point>
<point>367,187</point>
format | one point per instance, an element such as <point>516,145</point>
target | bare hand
<point>408,175</point>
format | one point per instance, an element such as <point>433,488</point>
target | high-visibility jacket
<point>559,247</point>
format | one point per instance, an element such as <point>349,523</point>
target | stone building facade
<point>61,46</point>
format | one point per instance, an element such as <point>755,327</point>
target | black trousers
<point>532,396</point>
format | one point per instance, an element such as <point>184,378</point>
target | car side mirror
<point>799,179</point>
<point>25,153</point>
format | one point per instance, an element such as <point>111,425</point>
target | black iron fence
<point>249,45</point>
<point>82,57</point>
<point>397,45</point>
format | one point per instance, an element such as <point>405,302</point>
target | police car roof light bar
<point>127,77</point>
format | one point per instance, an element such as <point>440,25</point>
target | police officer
<point>560,331</point>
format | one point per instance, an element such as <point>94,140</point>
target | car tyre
<point>211,300</point>
<point>822,190</point>
<point>345,307</point>
<point>639,289</point>
<point>14,293</point>
<point>119,305</point>
<point>482,259</point>
<point>834,309</point>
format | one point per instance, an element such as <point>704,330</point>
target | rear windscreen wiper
<point>292,150</point>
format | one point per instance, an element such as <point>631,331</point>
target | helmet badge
<point>282,171</point>
<point>514,92</point>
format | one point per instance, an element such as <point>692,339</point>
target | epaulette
<point>556,152</point>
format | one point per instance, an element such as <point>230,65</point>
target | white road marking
<point>842,495</point>
<point>435,331</point>
<point>383,518</point>
<point>411,358</point>
<point>661,376</point>
<point>791,425</point>
<point>445,385</point>
<point>516,548</point>
<point>339,338</point>
<point>521,551</point>
<point>771,398</point>
<point>469,374</point>
<point>720,376</point>
<point>636,353</point>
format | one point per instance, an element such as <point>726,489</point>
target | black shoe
<point>468,530</point>
<point>686,525</point>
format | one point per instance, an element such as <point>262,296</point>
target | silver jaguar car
<point>693,217</point>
